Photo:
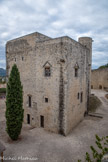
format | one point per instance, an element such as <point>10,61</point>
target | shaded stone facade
<point>55,74</point>
<point>99,79</point>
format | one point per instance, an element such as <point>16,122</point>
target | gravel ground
<point>44,146</point>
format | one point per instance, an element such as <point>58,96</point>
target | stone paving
<point>43,146</point>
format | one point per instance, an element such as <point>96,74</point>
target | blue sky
<point>54,18</point>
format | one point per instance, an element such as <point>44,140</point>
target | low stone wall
<point>99,79</point>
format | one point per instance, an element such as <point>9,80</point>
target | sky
<point>55,18</point>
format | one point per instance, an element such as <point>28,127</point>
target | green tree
<point>102,145</point>
<point>14,104</point>
<point>103,66</point>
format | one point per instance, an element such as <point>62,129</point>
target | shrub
<point>102,144</point>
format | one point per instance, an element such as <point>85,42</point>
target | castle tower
<point>55,97</point>
<point>87,42</point>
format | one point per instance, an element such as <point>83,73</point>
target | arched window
<point>47,69</point>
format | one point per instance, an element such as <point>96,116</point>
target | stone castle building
<point>99,79</point>
<point>55,74</point>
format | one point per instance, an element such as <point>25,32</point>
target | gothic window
<point>47,71</point>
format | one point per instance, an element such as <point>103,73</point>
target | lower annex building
<point>99,79</point>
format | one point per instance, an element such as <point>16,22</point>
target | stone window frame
<point>47,65</point>
<point>47,71</point>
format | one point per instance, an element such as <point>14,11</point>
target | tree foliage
<point>102,144</point>
<point>14,104</point>
<point>103,66</point>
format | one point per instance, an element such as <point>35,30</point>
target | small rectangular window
<point>29,101</point>
<point>46,99</point>
<point>81,99</point>
<point>15,59</point>
<point>42,121</point>
<point>22,58</point>
<point>91,86</point>
<point>28,118</point>
<point>78,96</point>
<point>76,72</point>
<point>47,71</point>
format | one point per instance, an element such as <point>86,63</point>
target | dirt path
<point>48,147</point>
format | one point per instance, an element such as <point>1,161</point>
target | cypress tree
<point>14,104</point>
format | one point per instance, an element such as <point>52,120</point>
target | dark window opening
<point>81,97</point>
<point>29,100</point>
<point>22,58</point>
<point>76,72</point>
<point>42,121</point>
<point>46,99</point>
<point>78,96</point>
<point>100,86</point>
<point>28,118</point>
<point>15,59</point>
<point>91,86</point>
<point>47,71</point>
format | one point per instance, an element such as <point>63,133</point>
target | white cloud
<point>4,35</point>
<point>2,61</point>
<point>74,18</point>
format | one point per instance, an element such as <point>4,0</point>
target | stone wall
<point>2,85</point>
<point>99,78</point>
<point>76,86</point>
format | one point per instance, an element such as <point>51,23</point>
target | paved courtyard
<point>43,146</point>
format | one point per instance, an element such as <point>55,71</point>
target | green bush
<point>102,144</point>
<point>103,66</point>
<point>14,104</point>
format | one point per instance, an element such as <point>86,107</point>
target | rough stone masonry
<point>55,75</point>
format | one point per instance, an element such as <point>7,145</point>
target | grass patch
<point>94,103</point>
